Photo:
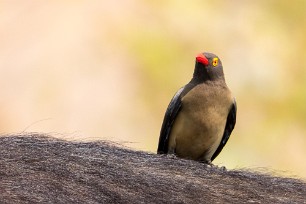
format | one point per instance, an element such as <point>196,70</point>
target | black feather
<point>170,115</point>
<point>230,124</point>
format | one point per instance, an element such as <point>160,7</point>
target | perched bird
<point>201,115</point>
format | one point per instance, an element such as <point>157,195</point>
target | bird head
<point>208,67</point>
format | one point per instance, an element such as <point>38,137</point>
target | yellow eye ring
<point>215,61</point>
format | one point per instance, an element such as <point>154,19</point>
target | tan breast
<point>199,126</point>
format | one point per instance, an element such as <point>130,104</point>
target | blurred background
<point>89,70</point>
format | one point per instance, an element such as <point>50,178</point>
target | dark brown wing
<point>230,124</point>
<point>170,115</point>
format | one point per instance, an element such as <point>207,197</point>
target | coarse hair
<point>37,168</point>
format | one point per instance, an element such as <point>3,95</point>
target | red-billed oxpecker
<point>201,115</point>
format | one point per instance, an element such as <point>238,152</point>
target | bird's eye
<point>215,61</point>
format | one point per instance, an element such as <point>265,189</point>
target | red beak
<point>202,59</point>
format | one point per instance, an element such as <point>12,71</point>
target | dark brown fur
<point>35,168</point>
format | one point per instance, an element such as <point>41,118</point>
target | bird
<point>201,115</point>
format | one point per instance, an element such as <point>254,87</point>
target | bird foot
<point>209,164</point>
<point>171,156</point>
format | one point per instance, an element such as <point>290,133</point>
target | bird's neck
<point>201,74</point>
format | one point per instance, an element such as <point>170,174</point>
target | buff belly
<point>199,126</point>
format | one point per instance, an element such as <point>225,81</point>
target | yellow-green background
<point>87,70</point>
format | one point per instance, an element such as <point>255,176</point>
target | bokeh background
<point>89,70</point>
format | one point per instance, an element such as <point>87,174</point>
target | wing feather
<point>230,124</point>
<point>170,115</point>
